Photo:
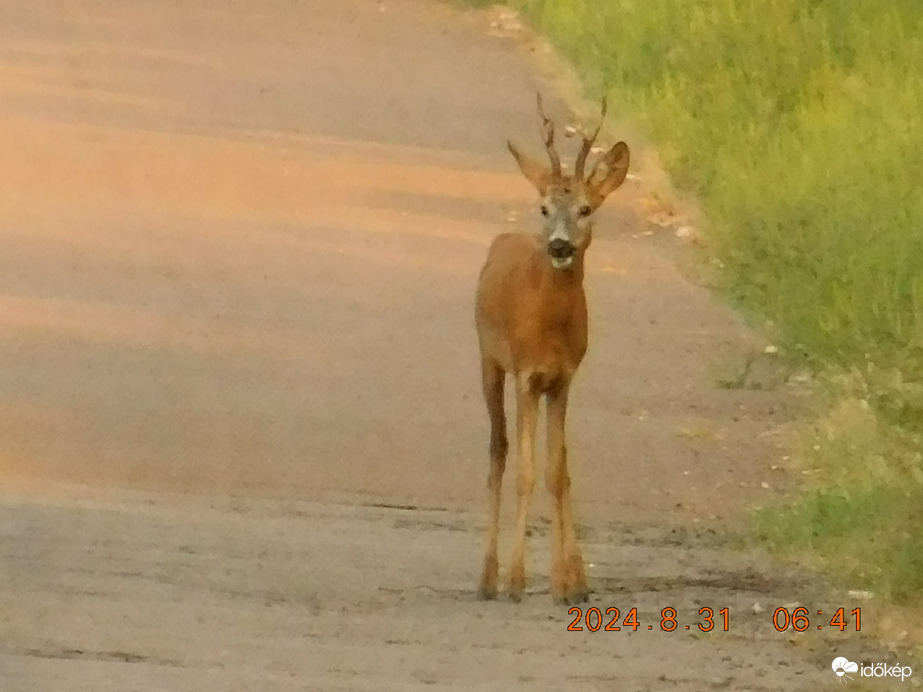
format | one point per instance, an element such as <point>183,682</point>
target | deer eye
<point>544,210</point>
<point>585,210</point>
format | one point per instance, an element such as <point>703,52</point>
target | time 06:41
<point>800,619</point>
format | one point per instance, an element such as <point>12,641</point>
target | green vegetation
<point>862,508</point>
<point>799,126</point>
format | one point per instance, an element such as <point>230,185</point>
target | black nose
<point>560,249</point>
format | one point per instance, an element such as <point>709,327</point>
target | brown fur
<point>531,322</point>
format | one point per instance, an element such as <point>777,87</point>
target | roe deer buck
<point>531,318</point>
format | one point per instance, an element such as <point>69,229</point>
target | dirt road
<point>243,445</point>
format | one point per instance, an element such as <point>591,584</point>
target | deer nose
<point>560,249</point>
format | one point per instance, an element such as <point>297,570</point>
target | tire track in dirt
<point>215,593</point>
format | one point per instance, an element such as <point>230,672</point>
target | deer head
<point>568,201</point>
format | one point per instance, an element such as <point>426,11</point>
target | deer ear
<point>609,172</point>
<point>536,173</point>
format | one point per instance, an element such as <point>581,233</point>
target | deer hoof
<point>572,597</point>
<point>486,593</point>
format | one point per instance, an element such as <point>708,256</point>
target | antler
<point>548,138</point>
<point>580,163</point>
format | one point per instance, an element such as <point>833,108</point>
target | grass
<point>799,126</point>
<point>861,511</point>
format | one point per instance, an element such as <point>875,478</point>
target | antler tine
<point>548,138</point>
<point>588,143</point>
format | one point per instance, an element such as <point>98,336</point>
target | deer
<point>531,320</point>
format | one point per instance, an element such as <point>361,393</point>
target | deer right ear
<point>535,172</point>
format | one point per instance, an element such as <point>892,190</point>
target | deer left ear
<point>609,172</point>
<point>535,172</point>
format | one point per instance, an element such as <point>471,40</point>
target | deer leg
<point>526,418</point>
<point>493,377</point>
<point>568,576</point>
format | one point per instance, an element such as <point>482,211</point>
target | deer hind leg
<point>568,575</point>
<point>493,377</point>
<point>527,396</point>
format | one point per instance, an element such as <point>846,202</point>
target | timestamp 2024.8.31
<point>594,620</point>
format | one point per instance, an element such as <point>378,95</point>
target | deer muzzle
<point>561,251</point>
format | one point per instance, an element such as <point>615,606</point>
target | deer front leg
<point>526,418</point>
<point>568,575</point>
<point>493,394</point>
